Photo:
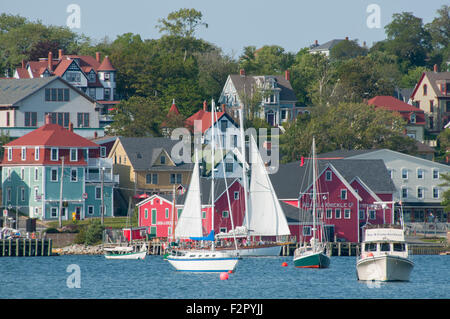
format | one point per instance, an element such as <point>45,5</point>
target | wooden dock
<point>24,247</point>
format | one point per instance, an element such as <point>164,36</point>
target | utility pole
<point>61,191</point>
<point>102,209</point>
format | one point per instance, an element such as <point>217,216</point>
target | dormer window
<point>425,89</point>
<point>162,160</point>
<point>412,118</point>
<point>92,77</point>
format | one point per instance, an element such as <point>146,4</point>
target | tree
<point>137,116</point>
<point>346,126</point>
<point>347,49</point>
<point>446,195</point>
<point>410,79</point>
<point>269,60</point>
<point>182,23</point>
<point>439,30</point>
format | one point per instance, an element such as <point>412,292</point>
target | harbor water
<point>94,277</point>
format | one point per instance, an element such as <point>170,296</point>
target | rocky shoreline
<point>77,249</point>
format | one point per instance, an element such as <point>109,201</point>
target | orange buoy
<point>223,276</point>
<point>369,255</point>
<point>284,264</point>
<point>230,271</point>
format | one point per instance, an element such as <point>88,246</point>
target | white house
<point>24,103</point>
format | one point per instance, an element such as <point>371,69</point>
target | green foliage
<point>345,126</point>
<point>52,230</point>
<point>446,195</point>
<point>347,49</point>
<point>410,79</point>
<point>268,60</point>
<point>91,233</point>
<point>183,23</point>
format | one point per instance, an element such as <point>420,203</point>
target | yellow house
<point>145,165</point>
<point>432,95</point>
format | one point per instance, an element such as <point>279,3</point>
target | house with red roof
<point>94,76</point>
<point>432,95</point>
<point>414,116</point>
<point>24,103</point>
<point>52,171</point>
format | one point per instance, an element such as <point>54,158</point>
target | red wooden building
<point>159,213</point>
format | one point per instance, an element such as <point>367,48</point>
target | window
<point>54,212</point>
<point>73,76</point>
<point>319,213</point>
<point>362,214</point>
<point>23,153</point>
<point>57,95</point>
<point>203,215</point>
<point>36,193</point>
<point>435,192</point>
<point>73,154</point>
<point>22,173</point>
<point>420,173</point>
<point>107,94</point>
<point>162,160</point>
<point>175,178</point>
<point>337,213</point>
<point>372,214</point>
<point>370,247</point>
<point>145,213</point>
<point>90,210</point>
<point>10,151</point>
<point>385,247</point>
<point>431,106</point>
<point>306,231</point>
<point>102,151</point>
<point>329,213</point>
<point>399,247</point>
<point>8,194</point>
<point>412,118</point>
<point>425,89</point>
<point>420,192</point>
<point>92,77</point>
<point>22,194</point>
<point>404,173</point>
<point>328,176</point>
<point>151,178</point>
<point>98,192</point>
<point>30,119</point>
<point>347,213</point>
<point>83,119</point>
<point>236,195</point>
<point>92,93</point>
<point>223,125</point>
<point>54,175</point>
<point>391,173</point>
<point>435,173</point>
<point>36,153</point>
<point>228,167</point>
<point>36,174</point>
<point>404,193</point>
<point>225,214</point>
<point>343,194</point>
<point>73,175</point>
<point>54,154</point>
<point>167,213</point>
<point>7,119</point>
<point>107,76</point>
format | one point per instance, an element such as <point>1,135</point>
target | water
<point>255,278</point>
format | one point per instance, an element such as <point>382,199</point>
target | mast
<point>314,189</point>
<point>212,168</point>
<point>173,214</point>
<point>244,172</point>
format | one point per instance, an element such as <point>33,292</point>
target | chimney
<point>364,44</point>
<point>71,126</point>
<point>47,119</point>
<point>346,38</point>
<point>205,106</point>
<point>97,56</point>
<point>23,64</point>
<point>435,68</point>
<point>60,54</point>
<point>242,72</point>
<point>49,60</point>
<point>224,108</point>
<point>287,75</point>
<point>316,43</point>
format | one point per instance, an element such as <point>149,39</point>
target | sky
<point>233,24</point>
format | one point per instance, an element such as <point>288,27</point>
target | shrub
<point>52,230</point>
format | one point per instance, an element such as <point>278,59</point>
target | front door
<point>271,118</point>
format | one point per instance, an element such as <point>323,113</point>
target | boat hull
<point>384,268</point>
<point>314,260</point>
<point>136,255</point>
<point>201,263</point>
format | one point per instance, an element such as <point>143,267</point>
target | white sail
<point>265,215</point>
<point>190,223</point>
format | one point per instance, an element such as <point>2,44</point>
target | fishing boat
<point>126,252</point>
<point>384,254</point>
<point>313,253</point>
<point>190,226</point>
<point>264,216</point>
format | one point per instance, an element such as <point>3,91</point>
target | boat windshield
<point>385,247</point>
<point>371,247</point>
<point>399,247</point>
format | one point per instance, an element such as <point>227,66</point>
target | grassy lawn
<point>114,222</point>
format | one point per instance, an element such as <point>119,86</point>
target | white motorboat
<point>384,255</point>
<point>125,252</point>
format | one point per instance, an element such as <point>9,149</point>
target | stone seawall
<point>76,249</point>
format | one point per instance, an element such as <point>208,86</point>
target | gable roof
<point>392,104</point>
<point>52,135</point>
<point>142,151</point>
<point>326,46</point>
<point>205,118</point>
<point>247,84</point>
<point>14,90</point>
<point>433,78</point>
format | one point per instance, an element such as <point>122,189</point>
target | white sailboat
<point>190,226</point>
<point>384,254</point>
<point>312,254</point>
<point>263,213</point>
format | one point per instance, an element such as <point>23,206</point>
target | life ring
<point>369,255</point>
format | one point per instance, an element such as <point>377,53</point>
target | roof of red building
<point>106,65</point>
<point>205,118</point>
<point>23,73</point>
<point>173,109</point>
<point>393,104</point>
<point>52,135</point>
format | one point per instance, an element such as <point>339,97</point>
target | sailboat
<point>384,254</point>
<point>190,226</point>
<point>312,254</point>
<point>263,213</point>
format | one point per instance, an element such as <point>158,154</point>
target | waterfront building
<point>52,171</point>
<point>24,103</point>
<point>157,211</point>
